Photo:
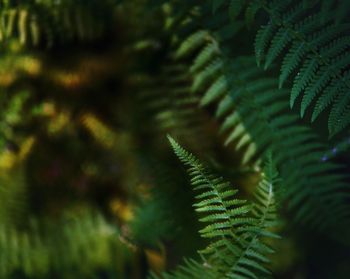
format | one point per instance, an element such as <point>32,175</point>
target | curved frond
<point>235,227</point>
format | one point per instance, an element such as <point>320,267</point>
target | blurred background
<point>89,187</point>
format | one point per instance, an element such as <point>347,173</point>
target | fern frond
<point>265,215</point>
<point>206,75</point>
<point>315,48</point>
<point>204,57</point>
<point>166,101</point>
<point>191,43</point>
<point>234,227</point>
<point>215,91</point>
<point>214,83</point>
<point>256,117</point>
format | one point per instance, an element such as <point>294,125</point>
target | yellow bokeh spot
<point>68,79</point>
<point>10,159</point>
<point>7,160</point>
<point>122,210</point>
<point>156,260</point>
<point>7,79</point>
<point>30,65</point>
<point>103,134</point>
<point>58,122</point>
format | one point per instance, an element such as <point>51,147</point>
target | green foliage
<point>311,37</point>
<point>49,22</point>
<point>315,54</point>
<point>61,248</point>
<point>234,227</point>
<point>172,110</point>
<point>13,194</point>
<point>255,118</point>
<point>83,124</point>
<point>11,115</point>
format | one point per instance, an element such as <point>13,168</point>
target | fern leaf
<point>255,117</point>
<point>215,91</point>
<point>322,77</point>
<point>262,39</point>
<point>303,78</point>
<point>279,42</point>
<point>319,55</point>
<point>225,105</point>
<point>191,43</point>
<point>326,99</point>
<point>236,249</point>
<point>205,76</point>
<point>291,61</point>
<point>204,57</point>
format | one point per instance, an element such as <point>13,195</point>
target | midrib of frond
<point>200,169</point>
<point>299,36</point>
<point>210,183</point>
<point>269,203</point>
<point>261,222</point>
